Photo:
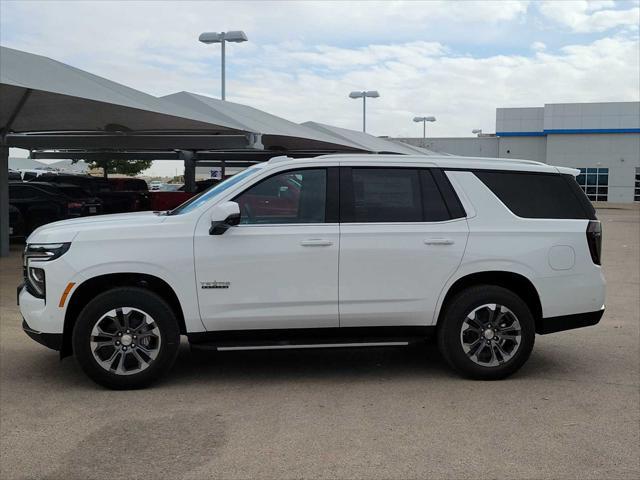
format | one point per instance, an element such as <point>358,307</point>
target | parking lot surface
<point>573,411</point>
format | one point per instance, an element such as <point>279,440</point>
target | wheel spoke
<point>112,327</point>
<point>485,322</point>
<point>514,338</point>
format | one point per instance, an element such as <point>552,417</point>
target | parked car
<point>113,201</point>
<point>39,204</point>
<point>80,203</point>
<point>121,184</point>
<point>368,250</point>
<point>155,185</point>
<point>14,176</point>
<point>162,200</point>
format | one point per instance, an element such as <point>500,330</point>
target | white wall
<point>618,152</point>
<point>530,119</point>
<point>526,148</point>
<point>467,147</point>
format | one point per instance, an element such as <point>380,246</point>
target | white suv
<point>333,251</point>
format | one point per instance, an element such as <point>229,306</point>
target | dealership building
<point>600,139</point>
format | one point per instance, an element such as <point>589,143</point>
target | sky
<point>457,61</point>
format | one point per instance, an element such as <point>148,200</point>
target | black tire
<point>166,326</point>
<point>451,325</point>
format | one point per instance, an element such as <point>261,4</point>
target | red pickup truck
<point>168,200</point>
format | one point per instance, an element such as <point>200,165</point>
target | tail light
<point>73,205</point>
<point>594,240</point>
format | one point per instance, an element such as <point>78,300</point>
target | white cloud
<point>590,16</point>
<point>538,46</point>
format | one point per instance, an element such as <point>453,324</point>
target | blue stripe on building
<point>569,131</point>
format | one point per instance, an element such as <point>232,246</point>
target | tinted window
<point>297,196</point>
<point>433,205</point>
<point>386,195</point>
<point>537,195</point>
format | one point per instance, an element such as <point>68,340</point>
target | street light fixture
<point>236,36</point>
<point>364,95</point>
<point>424,121</point>
<point>477,131</point>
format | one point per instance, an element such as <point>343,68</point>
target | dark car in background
<point>113,200</point>
<point>36,203</point>
<point>81,203</point>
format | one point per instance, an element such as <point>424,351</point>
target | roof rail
<point>279,158</point>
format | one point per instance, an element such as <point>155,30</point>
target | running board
<point>309,345</point>
<point>307,338</point>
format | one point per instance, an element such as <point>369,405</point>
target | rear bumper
<point>50,340</point>
<point>568,322</point>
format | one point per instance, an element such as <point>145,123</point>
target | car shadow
<point>417,361</point>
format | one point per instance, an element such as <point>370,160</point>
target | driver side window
<point>295,196</point>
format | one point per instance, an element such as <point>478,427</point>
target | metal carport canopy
<point>367,142</point>
<point>48,104</point>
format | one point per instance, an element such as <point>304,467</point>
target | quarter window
<point>595,183</point>
<point>297,196</point>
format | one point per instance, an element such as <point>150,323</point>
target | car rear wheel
<point>126,338</point>
<point>487,333</point>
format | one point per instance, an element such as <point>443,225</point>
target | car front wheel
<point>126,338</point>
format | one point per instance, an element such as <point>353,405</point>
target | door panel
<point>279,267</point>
<point>392,274</point>
<point>275,279</point>
<point>397,248</point>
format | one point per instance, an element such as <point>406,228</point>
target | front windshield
<point>204,197</point>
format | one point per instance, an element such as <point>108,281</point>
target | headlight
<point>34,253</point>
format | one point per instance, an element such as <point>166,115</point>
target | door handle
<point>438,241</point>
<point>316,242</point>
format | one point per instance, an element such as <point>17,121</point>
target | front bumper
<point>51,340</point>
<point>568,322</point>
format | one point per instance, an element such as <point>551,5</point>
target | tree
<point>124,167</point>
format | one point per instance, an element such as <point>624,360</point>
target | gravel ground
<point>572,412</point>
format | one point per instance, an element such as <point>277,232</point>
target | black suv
<point>38,203</point>
<point>112,201</point>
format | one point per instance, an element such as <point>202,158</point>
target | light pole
<point>424,121</point>
<point>237,36</point>
<point>364,95</point>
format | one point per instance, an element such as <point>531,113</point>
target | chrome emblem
<point>215,284</point>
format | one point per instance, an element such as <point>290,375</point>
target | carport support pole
<point>189,170</point>
<point>4,199</point>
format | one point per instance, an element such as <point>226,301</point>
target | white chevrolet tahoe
<point>333,251</point>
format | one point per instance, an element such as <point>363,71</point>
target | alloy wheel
<point>490,335</point>
<point>125,341</point>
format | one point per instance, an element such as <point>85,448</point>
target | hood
<point>67,230</point>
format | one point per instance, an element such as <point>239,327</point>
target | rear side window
<point>386,195</point>
<point>537,195</point>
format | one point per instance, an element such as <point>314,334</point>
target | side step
<point>292,346</point>
<point>308,338</point>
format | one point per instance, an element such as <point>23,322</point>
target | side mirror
<point>223,217</point>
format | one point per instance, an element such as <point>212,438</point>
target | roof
<point>66,98</point>
<point>244,117</point>
<point>367,142</point>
